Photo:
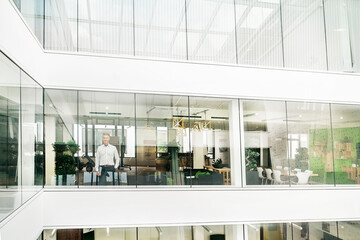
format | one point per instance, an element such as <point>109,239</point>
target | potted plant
<point>251,161</point>
<point>218,163</point>
<point>65,160</point>
<point>302,158</point>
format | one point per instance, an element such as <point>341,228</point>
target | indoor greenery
<point>64,158</point>
<point>218,163</point>
<point>251,159</point>
<point>301,158</point>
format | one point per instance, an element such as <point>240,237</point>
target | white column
<point>50,132</point>
<point>235,153</point>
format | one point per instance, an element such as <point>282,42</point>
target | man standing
<point>104,158</point>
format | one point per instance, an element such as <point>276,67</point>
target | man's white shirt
<point>105,156</point>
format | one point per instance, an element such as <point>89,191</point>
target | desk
<point>286,173</point>
<point>225,172</point>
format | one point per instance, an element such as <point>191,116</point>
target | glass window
<point>211,31</point>
<point>106,113</point>
<point>337,35</point>
<point>258,30</point>
<point>346,138</point>
<point>270,231</point>
<point>162,134</point>
<point>314,230</point>
<point>310,143</point>
<point>348,230</point>
<point>33,13</point>
<point>160,28</point>
<point>106,26</point>
<point>265,137</point>
<point>304,18</point>
<point>212,131</point>
<point>353,9</point>
<point>61,150</point>
<point>179,233</point>
<point>10,137</point>
<point>32,136</point>
<point>61,25</point>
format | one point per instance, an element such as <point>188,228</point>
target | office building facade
<point>231,119</point>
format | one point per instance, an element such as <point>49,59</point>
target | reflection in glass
<point>105,26</point>
<point>349,230</point>
<point>314,230</point>
<point>106,113</point>
<point>299,19</point>
<point>338,36</point>
<point>162,133</point>
<point>91,233</point>
<point>353,9</point>
<point>61,140</point>
<point>33,13</point>
<point>211,128</point>
<point>160,28</point>
<point>60,25</point>
<point>270,231</point>
<point>310,143</point>
<point>265,135</point>
<point>346,138</point>
<point>258,30</point>
<point>211,30</point>
<point>10,137</point>
<point>180,233</point>
<point>32,136</point>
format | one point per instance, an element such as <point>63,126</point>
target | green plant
<point>251,159</point>
<point>301,158</point>
<point>218,163</point>
<point>59,147</point>
<point>64,164</point>
<point>73,147</point>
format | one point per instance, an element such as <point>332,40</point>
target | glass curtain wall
<point>265,139</point>
<point>160,28</point>
<point>60,26</point>
<point>258,231</point>
<point>289,143</point>
<point>346,141</point>
<point>189,140</point>
<point>212,130</point>
<point>304,18</point>
<point>105,26</point>
<point>310,143</point>
<point>211,30</point>
<point>21,137</point>
<point>106,113</point>
<point>61,148</point>
<point>32,148</point>
<point>33,13</point>
<point>162,136</point>
<point>259,33</point>
<point>252,32</point>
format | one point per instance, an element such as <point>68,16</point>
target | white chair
<point>260,174</point>
<point>286,169</point>
<point>277,177</point>
<point>297,170</point>
<point>268,175</point>
<point>311,172</point>
<point>303,178</point>
<point>279,167</point>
